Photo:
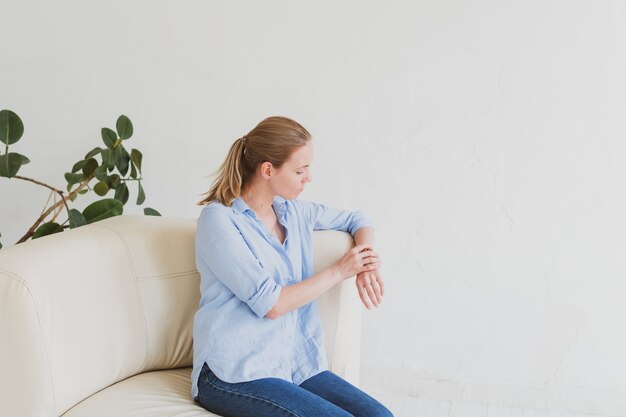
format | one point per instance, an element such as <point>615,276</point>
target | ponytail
<point>273,140</point>
<point>227,186</point>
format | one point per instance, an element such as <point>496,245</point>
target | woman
<point>258,342</point>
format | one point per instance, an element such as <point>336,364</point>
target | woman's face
<point>288,181</point>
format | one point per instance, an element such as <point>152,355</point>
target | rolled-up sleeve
<point>221,248</point>
<point>328,218</point>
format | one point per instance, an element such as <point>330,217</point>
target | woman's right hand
<point>359,259</point>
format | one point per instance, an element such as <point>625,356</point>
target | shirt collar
<point>279,204</point>
<point>239,206</point>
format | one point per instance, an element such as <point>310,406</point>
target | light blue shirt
<point>242,269</point>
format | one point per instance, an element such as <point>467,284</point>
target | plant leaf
<point>102,209</point>
<point>136,157</point>
<point>101,188</point>
<point>11,127</point>
<point>76,218</point>
<point>150,212</point>
<point>78,166</point>
<point>113,181</point>
<point>121,193</point>
<point>108,137</point>
<point>47,229</point>
<point>73,178</point>
<point>124,127</point>
<point>141,195</point>
<point>10,164</point>
<point>101,173</point>
<point>90,167</point>
<point>122,160</point>
<point>95,151</point>
<point>107,159</point>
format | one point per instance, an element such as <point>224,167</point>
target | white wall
<point>486,138</point>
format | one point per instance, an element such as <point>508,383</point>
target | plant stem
<point>59,192</point>
<point>19,177</point>
<point>63,201</point>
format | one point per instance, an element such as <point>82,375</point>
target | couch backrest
<point>89,307</point>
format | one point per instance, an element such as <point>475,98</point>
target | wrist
<point>335,274</point>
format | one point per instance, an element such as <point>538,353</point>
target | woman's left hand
<point>370,287</point>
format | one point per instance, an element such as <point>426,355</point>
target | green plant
<point>110,167</point>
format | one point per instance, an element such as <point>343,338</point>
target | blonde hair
<point>273,140</point>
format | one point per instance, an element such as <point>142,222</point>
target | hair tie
<point>244,139</point>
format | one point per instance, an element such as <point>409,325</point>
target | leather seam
<point>187,274</point>
<point>23,282</point>
<point>147,358</point>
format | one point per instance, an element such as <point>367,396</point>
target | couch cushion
<point>151,394</point>
<point>161,254</point>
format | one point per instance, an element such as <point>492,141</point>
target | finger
<point>371,294</point>
<point>377,291</point>
<point>361,291</point>
<point>379,279</point>
<point>368,261</point>
<point>367,254</point>
<point>370,267</point>
<point>361,248</point>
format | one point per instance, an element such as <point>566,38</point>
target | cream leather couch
<point>97,321</point>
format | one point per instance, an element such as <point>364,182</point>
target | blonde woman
<point>258,342</point>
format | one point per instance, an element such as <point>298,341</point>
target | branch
<point>45,214</point>
<point>56,190</point>
<point>19,177</point>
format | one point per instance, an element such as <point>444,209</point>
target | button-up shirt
<point>242,269</point>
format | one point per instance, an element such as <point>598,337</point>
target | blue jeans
<point>323,395</point>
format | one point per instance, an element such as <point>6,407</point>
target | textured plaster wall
<point>487,139</point>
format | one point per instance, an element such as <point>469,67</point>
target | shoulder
<point>301,204</point>
<point>215,208</point>
<point>215,213</point>
<point>301,207</point>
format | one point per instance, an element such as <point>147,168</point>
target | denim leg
<point>266,397</point>
<point>345,395</point>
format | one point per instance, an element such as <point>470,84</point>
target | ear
<point>267,169</point>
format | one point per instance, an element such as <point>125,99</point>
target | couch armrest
<point>340,309</point>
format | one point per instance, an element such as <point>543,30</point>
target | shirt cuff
<point>264,299</point>
<point>360,220</point>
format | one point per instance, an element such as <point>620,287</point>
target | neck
<point>260,201</point>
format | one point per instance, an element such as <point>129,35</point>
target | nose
<point>307,178</point>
